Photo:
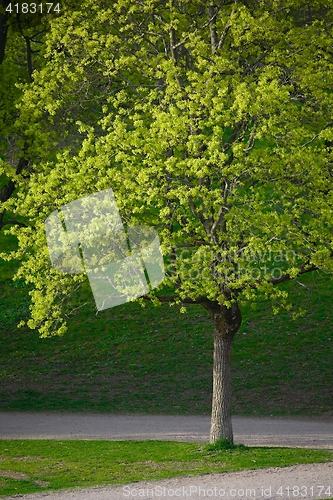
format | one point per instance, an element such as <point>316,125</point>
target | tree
<point>210,122</point>
<point>21,50</point>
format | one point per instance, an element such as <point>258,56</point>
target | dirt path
<point>309,482</point>
<point>306,432</point>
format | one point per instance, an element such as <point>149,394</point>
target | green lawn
<point>32,466</point>
<point>156,360</point>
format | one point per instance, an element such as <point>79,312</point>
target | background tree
<point>21,50</point>
<point>21,53</point>
<point>209,122</point>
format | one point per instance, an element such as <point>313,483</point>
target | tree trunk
<point>226,323</point>
<point>221,424</point>
<point>4,16</point>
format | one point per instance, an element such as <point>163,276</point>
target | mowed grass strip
<point>131,359</point>
<point>28,466</point>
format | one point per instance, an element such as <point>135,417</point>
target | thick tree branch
<point>7,191</point>
<point>29,57</point>
<point>10,222</point>
<point>287,277</point>
<point>208,304</point>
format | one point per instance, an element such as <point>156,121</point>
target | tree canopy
<point>211,122</point>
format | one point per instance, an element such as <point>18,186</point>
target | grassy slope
<point>130,359</point>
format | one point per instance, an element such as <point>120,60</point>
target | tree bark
<point>226,323</point>
<point>221,423</point>
<point>7,191</point>
<point>4,16</point>
<point>212,13</point>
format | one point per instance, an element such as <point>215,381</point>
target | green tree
<point>211,122</point>
<point>21,51</point>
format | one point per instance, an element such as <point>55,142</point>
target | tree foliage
<point>208,122</point>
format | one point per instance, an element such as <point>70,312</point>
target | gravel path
<point>309,482</point>
<point>305,432</point>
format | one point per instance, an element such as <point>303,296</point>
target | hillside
<point>156,360</point>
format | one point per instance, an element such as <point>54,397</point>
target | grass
<point>156,360</point>
<point>223,445</point>
<point>32,466</point>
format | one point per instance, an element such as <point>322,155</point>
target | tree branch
<point>204,25</point>
<point>170,298</point>
<point>212,13</point>
<point>7,190</point>
<point>10,222</point>
<point>317,135</point>
<point>29,57</point>
<point>287,277</point>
